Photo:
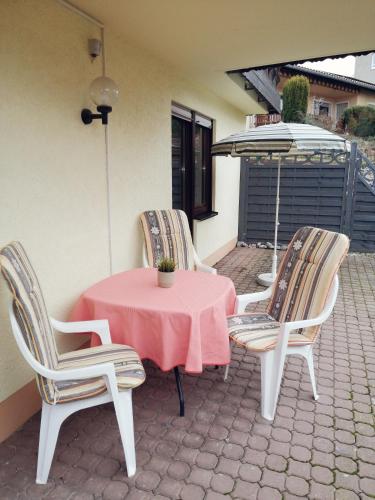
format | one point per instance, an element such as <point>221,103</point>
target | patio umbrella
<point>277,141</point>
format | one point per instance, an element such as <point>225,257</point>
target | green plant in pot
<point>166,272</point>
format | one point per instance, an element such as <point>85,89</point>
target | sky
<point>342,66</point>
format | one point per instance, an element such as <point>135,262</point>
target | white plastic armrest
<point>106,369</point>
<point>323,316</point>
<point>98,326</point>
<point>203,268</point>
<point>250,298</point>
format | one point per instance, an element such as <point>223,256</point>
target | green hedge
<point>295,98</point>
<point>360,120</point>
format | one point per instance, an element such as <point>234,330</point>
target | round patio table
<point>182,325</point>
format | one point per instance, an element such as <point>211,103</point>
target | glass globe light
<point>104,91</point>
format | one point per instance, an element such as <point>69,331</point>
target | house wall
<point>333,97</point>
<point>366,98</point>
<point>52,167</point>
<point>363,70</point>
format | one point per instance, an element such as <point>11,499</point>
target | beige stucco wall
<point>52,167</point>
<point>366,98</point>
<point>363,68</point>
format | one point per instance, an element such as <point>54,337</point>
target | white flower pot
<point>165,280</point>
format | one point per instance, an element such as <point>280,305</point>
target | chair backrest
<point>305,275</point>
<point>167,234</point>
<point>30,311</point>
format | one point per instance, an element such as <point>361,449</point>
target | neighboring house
<point>73,193</point>
<point>364,68</point>
<point>330,94</point>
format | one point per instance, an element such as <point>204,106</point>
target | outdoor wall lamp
<point>104,93</point>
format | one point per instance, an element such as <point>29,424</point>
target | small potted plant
<point>166,272</point>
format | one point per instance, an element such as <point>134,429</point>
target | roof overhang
<point>207,39</point>
<point>338,82</point>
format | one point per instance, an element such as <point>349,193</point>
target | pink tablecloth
<point>182,325</point>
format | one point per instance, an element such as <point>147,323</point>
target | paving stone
<point>233,451</point>
<point>81,495</point>
<point>346,495</point>
<point>222,483</point>
<point>366,470</point>
<point>245,491</point>
<point>170,487</point>
<point>300,453</point>
<point>135,494</point>
<point>108,467</point>
<point>367,486</point>
<point>227,466</point>
<point>200,477</point>
<point>96,485</point>
<point>223,448</point>
<point>346,481</point>
<point>276,463</point>
<point>278,448</point>
<point>300,469</point>
<point>214,495</point>
<point>250,473</point>
<point>322,475</point>
<point>115,490</point>
<point>297,486</point>
<point>267,493</point>
<point>255,458</point>
<point>179,470</point>
<point>192,491</point>
<point>207,460</point>
<point>367,455</point>
<point>273,479</point>
<point>346,465</point>
<point>147,480</point>
<point>320,491</point>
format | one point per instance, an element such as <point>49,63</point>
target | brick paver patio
<point>222,448</point>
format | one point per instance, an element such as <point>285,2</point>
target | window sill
<point>205,216</point>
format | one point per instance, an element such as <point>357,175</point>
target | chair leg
<point>124,413</point>
<point>52,418</point>
<point>268,391</point>
<point>310,363</point>
<point>226,372</point>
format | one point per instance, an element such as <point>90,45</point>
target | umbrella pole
<point>274,258</point>
<point>267,279</point>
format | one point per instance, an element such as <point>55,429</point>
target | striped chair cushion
<point>258,332</point>
<point>167,234</point>
<point>30,311</point>
<point>305,275</point>
<point>32,318</point>
<point>128,367</point>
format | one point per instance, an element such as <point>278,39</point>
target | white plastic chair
<point>271,338</point>
<point>71,381</point>
<point>167,234</point>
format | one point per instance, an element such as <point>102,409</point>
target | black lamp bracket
<point>88,116</point>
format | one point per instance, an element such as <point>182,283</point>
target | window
<point>373,61</point>
<point>322,108</point>
<point>191,163</point>
<point>340,108</point>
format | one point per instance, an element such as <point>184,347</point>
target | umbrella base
<point>265,279</point>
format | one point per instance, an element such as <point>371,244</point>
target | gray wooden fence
<point>333,193</point>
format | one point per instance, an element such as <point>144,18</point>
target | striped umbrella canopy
<point>290,138</point>
<point>280,140</point>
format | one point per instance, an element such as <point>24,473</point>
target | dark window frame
<point>206,126</point>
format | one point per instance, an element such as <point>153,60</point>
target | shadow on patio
<point>222,448</point>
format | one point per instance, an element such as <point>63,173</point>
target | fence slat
<point>332,196</point>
